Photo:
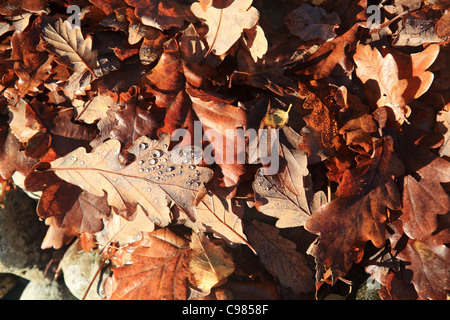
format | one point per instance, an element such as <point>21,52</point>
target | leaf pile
<point>90,118</point>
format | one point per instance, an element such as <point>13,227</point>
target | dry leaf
<point>280,257</point>
<point>152,180</point>
<point>225,25</point>
<point>283,195</point>
<point>74,52</point>
<point>209,263</point>
<point>309,23</point>
<point>158,269</point>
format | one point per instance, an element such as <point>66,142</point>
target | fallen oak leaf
<point>161,14</point>
<point>226,24</point>
<point>12,157</point>
<point>424,197</point>
<point>358,215</point>
<point>94,109</point>
<point>371,65</point>
<point>57,237</point>
<point>401,78</point>
<point>221,217</point>
<point>209,264</point>
<point>280,258</point>
<point>323,119</point>
<point>152,180</point>
<point>69,206</point>
<point>158,269</point>
<point>121,231</point>
<point>428,259</point>
<point>333,55</point>
<point>32,63</point>
<point>414,68</point>
<point>309,23</point>
<point>73,51</point>
<point>283,195</point>
<point>25,122</point>
<point>220,120</point>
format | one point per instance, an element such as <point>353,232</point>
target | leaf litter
<point>90,116</point>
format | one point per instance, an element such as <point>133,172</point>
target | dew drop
<point>143,145</point>
<point>73,158</point>
<point>196,184</point>
<point>164,160</point>
<point>180,172</point>
<point>165,146</point>
<point>188,183</point>
<point>149,189</point>
<point>81,163</point>
<point>169,169</point>
<point>152,161</point>
<point>156,178</point>
<point>147,170</point>
<point>97,154</point>
<point>159,172</point>
<point>141,162</point>
<point>140,170</point>
<point>157,153</point>
<point>192,167</point>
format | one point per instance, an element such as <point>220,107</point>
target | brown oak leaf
<point>283,195</point>
<point>158,270</point>
<point>359,213</point>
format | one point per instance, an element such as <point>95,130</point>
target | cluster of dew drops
<point>162,169</point>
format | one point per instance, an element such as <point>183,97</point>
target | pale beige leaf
<point>222,217</point>
<point>283,195</point>
<point>24,123</point>
<point>152,180</point>
<point>92,110</point>
<point>225,26</point>
<point>209,264</point>
<point>122,231</point>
